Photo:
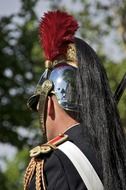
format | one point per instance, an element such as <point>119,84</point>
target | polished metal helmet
<point>57,31</point>
<point>63,78</point>
<point>61,60</point>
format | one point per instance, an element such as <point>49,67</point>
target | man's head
<point>73,74</point>
<point>61,63</point>
<point>61,104</point>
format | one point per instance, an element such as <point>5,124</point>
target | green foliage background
<point>21,62</point>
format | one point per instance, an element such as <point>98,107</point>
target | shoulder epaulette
<point>49,146</point>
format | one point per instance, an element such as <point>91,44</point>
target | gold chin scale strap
<point>45,90</point>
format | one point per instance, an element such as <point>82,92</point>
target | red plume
<point>56,31</point>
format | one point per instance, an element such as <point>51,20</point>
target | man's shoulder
<point>46,149</point>
<point>45,162</point>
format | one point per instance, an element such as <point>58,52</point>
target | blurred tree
<point>20,57</point>
<point>15,171</point>
<point>20,68</point>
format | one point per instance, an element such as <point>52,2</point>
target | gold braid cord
<point>43,179</point>
<point>35,167</point>
<point>29,173</point>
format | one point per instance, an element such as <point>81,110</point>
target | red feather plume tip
<point>56,31</point>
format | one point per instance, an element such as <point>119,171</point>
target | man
<point>78,116</point>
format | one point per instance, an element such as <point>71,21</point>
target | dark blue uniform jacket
<point>59,172</point>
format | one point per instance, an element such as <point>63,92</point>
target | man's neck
<point>71,126</point>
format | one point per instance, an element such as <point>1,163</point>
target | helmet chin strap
<point>46,88</point>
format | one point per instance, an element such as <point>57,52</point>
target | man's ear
<point>50,110</point>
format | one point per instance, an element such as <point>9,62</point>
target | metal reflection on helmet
<point>63,78</point>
